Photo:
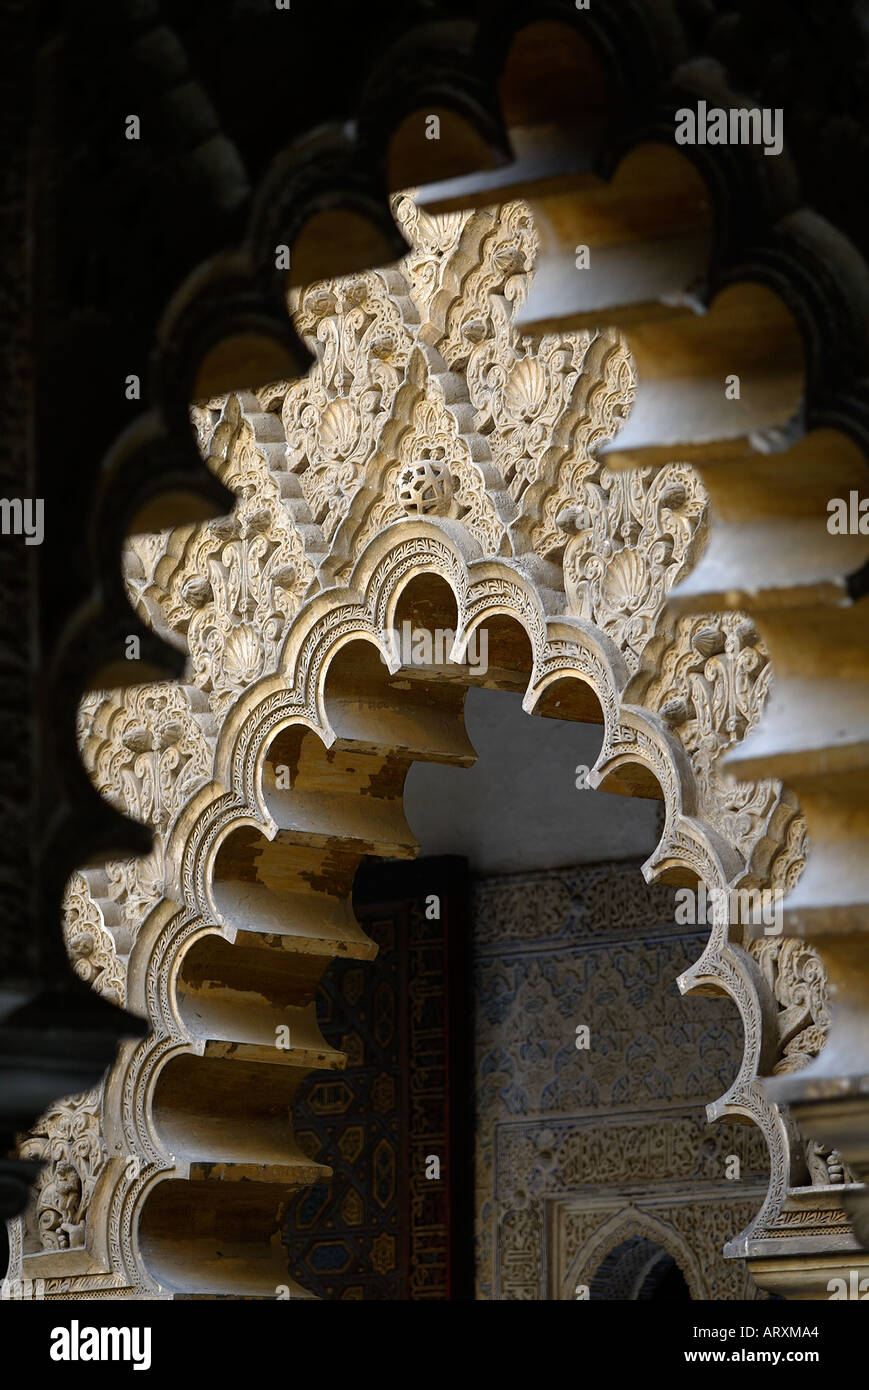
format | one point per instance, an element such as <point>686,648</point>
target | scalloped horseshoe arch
<point>169,1181</point>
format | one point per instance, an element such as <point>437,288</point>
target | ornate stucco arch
<point>622,1225</point>
<point>221,934</point>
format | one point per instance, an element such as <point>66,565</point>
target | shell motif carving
<point>631,537</point>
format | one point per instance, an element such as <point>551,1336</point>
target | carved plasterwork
<point>632,535</point>
<point>148,749</point>
<point>91,947</point>
<point>710,685</point>
<point>433,245</point>
<point>795,974</point>
<point>68,1140</point>
<point>428,431</point>
<point>231,587</point>
<point>361,332</point>
<point>691,1229</point>
<point>429,437</point>
<point>135,886</point>
<point>467,276</point>
<point>600,401</point>
<point>560,1126</point>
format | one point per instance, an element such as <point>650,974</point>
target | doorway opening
<point>638,1269</point>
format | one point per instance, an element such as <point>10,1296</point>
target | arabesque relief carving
<point>69,1140</point>
<point>430,439</point>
